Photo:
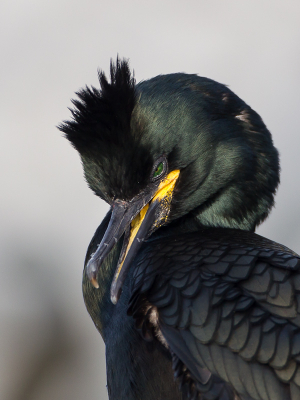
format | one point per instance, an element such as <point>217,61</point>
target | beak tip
<point>114,299</point>
<point>95,283</point>
<point>91,271</point>
<point>115,293</point>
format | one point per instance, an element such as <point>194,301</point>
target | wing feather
<point>228,305</point>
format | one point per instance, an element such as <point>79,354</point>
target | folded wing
<point>228,308</point>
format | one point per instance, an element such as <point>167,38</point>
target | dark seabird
<point>190,302</point>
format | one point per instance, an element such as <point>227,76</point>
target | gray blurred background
<point>49,348</point>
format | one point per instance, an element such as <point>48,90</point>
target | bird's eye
<point>159,169</point>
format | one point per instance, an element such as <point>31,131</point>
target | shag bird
<point>190,302</point>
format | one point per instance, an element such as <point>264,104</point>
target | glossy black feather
<point>241,321</point>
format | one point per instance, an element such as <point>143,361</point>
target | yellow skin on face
<point>164,193</point>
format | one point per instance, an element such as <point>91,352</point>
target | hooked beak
<point>138,219</point>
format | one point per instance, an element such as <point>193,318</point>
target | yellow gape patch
<point>164,196</point>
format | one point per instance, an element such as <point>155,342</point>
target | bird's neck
<point>136,369</point>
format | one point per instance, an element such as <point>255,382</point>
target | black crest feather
<point>101,116</point>
<point>114,162</point>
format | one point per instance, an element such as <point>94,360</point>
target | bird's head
<point>169,146</point>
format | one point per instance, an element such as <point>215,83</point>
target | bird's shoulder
<point>212,253</point>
